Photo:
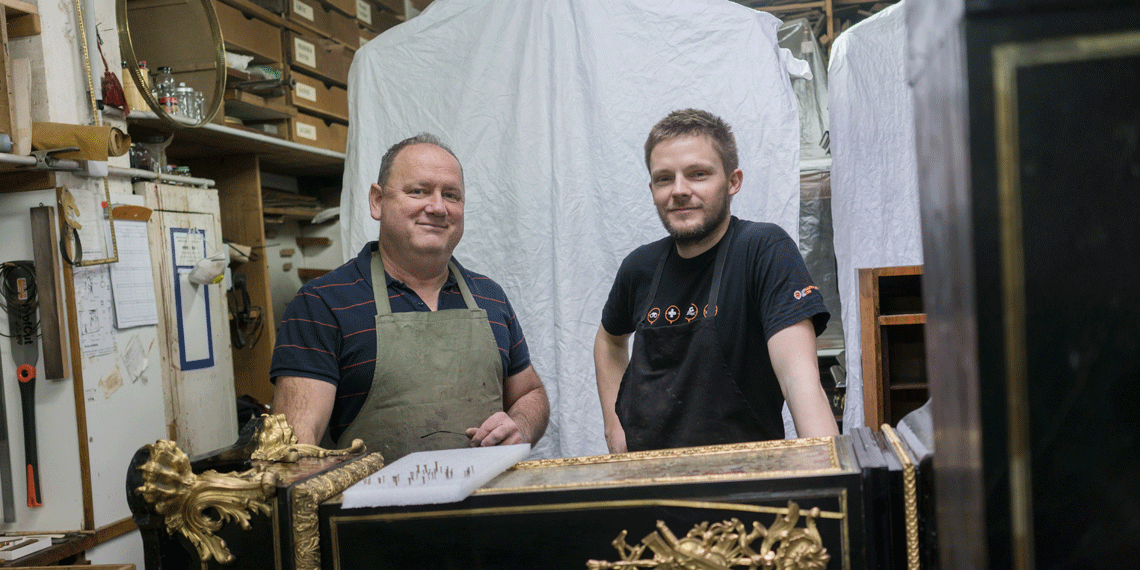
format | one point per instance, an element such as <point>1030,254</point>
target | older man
<point>724,309</point>
<point>402,346</point>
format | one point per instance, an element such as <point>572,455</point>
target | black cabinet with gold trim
<point>837,503</point>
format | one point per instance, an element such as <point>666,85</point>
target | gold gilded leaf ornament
<point>727,545</point>
<point>276,442</point>
<point>197,506</point>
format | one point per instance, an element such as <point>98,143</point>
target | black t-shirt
<point>765,288</point>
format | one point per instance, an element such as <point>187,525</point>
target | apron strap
<point>718,268</point>
<point>656,279</point>
<point>467,297</point>
<point>384,307</point>
<point>379,285</point>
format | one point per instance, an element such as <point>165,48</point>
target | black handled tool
<point>7,498</point>
<point>21,300</point>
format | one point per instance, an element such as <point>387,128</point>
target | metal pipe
<point>67,165</point>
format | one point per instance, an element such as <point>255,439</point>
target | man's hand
<point>615,440</point>
<point>499,429</point>
<point>526,415</point>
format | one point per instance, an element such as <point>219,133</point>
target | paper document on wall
<point>433,477</point>
<point>132,281</point>
<point>93,305</point>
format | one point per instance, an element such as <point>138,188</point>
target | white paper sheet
<point>433,477</point>
<point>132,281</point>
<point>134,359</point>
<point>93,303</point>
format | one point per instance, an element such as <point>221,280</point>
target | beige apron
<point>435,370</point>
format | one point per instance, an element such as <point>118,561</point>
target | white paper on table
<point>132,281</point>
<point>433,477</point>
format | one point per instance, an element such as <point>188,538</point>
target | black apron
<point>677,390</point>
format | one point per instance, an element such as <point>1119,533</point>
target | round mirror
<point>185,36</point>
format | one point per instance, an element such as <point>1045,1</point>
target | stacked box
<point>314,131</point>
<point>310,95</point>
<point>311,15</point>
<point>365,35</point>
<point>394,6</point>
<point>319,57</point>
<point>247,35</point>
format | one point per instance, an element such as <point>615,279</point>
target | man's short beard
<point>706,229</point>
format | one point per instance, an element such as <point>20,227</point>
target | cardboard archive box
<point>320,57</point>
<point>314,131</point>
<point>249,35</point>
<point>312,96</point>
<point>309,14</point>
<point>394,6</point>
<point>368,15</point>
<point>365,35</point>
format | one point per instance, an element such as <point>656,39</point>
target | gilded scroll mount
<point>277,442</point>
<point>727,545</point>
<point>197,506</point>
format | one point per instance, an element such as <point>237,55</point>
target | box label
<point>305,91</point>
<point>304,52</point>
<point>306,131</point>
<point>364,12</point>
<point>303,10</point>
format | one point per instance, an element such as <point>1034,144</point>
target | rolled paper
<point>95,143</point>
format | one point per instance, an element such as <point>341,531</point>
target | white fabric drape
<point>874,172</point>
<point>547,104</point>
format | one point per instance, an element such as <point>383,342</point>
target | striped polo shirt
<point>328,331</point>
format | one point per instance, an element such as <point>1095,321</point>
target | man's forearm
<point>793,357</point>
<point>611,357</point>
<point>307,405</point>
<point>530,413</point>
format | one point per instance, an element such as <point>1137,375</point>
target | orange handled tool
<point>19,291</point>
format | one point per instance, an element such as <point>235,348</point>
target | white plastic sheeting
<point>547,103</point>
<point>874,173</point>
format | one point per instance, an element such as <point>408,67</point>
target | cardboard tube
<point>95,143</point>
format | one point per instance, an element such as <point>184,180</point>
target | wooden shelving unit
<point>894,343</point>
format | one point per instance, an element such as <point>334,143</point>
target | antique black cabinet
<point>1029,149</point>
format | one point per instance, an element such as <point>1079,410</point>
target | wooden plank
<point>905,319</point>
<point>290,213</point>
<point>897,270</point>
<point>7,96</point>
<point>829,13</point>
<point>781,8</point>
<point>20,20</point>
<point>304,273</point>
<point>24,180</point>
<point>46,253</point>
<point>131,213</point>
<point>114,530</point>
<point>872,351</point>
<point>307,241</point>
<point>77,388</point>
<point>19,7</point>
<point>24,25</point>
